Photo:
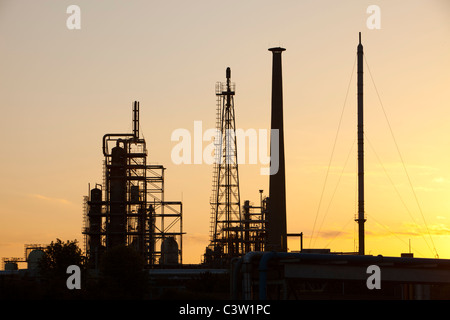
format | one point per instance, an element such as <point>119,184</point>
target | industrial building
<point>31,257</point>
<point>129,208</point>
<point>292,276</point>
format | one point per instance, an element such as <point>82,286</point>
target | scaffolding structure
<point>254,225</point>
<point>129,208</point>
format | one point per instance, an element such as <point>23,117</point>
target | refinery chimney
<point>276,218</point>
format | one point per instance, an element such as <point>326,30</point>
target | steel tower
<point>226,228</point>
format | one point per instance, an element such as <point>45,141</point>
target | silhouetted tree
<point>122,274</point>
<point>53,267</point>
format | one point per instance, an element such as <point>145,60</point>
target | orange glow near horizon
<point>62,89</point>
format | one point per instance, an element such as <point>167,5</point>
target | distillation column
<point>118,192</point>
<point>95,224</point>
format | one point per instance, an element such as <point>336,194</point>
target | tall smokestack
<point>276,218</point>
<point>361,219</point>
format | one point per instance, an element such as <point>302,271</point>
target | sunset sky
<point>61,90</point>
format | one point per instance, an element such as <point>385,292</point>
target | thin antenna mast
<point>360,86</point>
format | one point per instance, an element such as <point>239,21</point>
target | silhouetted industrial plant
<point>131,209</point>
<point>248,243</point>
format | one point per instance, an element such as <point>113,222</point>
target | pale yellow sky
<point>61,90</point>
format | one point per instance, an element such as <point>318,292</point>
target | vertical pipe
<point>301,241</point>
<point>136,120</point>
<point>247,226</point>
<point>360,85</point>
<point>276,226</point>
